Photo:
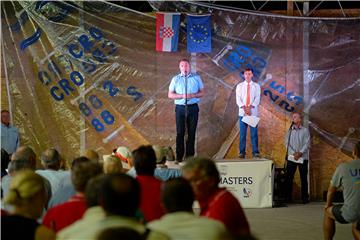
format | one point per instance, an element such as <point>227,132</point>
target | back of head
<point>78,160</point>
<point>205,166</point>
<point>120,195</point>
<point>83,172</point>
<point>112,164</point>
<point>119,233</point>
<point>177,195</point>
<point>23,187</point>
<point>51,159</point>
<point>357,150</point>
<point>25,153</point>
<point>125,155</point>
<point>144,160</point>
<point>18,164</point>
<point>92,155</point>
<point>93,190</point>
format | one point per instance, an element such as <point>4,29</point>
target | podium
<point>250,180</point>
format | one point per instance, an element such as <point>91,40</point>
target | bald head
<point>51,159</point>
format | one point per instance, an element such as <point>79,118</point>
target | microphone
<point>291,125</point>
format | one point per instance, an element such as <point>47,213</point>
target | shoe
<point>257,155</point>
<point>242,155</point>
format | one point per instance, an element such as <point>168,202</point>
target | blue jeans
<point>254,138</point>
<point>191,124</point>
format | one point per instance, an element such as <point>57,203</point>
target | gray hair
<point>51,159</point>
<point>205,166</point>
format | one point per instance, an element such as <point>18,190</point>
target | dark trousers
<point>191,124</point>
<point>290,172</point>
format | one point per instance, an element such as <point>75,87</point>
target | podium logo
<point>247,192</point>
<point>223,170</point>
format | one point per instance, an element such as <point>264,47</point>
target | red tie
<point>248,95</point>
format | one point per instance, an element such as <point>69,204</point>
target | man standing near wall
<point>10,138</point>
<point>297,142</point>
<point>248,100</point>
<point>186,88</point>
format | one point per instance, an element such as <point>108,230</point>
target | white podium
<point>250,180</point>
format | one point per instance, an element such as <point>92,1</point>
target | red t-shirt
<point>223,206</point>
<point>150,203</point>
<point>63,215</point>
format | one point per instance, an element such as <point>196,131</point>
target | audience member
<point>28,196</point>
<point>215,202</point>
<point>347,179</point>
<point>92,155</point>
<point>163,156</point>
<point>125,155</point>
<point>10,137</point>
<point>67,190</point>
<point>94,212</point>
<point>112,164</point>
<point>120,198</point>
<point>145,164</point>
<point>51,160</point>
<point>64,214</point>
<point>180,222</point>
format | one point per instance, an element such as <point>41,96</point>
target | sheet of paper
<point>251,120</point>
<point>291,158</point>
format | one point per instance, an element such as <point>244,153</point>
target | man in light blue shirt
<point>186,98</point>
<point>10,139</point>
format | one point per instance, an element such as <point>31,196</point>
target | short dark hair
<point>78,160</point>
<point>120,195</point>
<point>177,195</point>
<point>83,172</point>
<point>248,69</point>
<point>184,60</point>
<point>144,160</point>
<point>93,190</point>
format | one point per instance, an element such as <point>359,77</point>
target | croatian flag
<point>167,31</point>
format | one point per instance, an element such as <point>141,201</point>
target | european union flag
<point>198,33</point>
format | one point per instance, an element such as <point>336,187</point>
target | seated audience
<point>120,198</point>
<point>51,161</point>
<point>64,214</point>
<point>28,196</point>
<point>180,222</point>
<point>94,212</point>
<point>67,190</point>
<point>125,155</point>
<point>163,156</point>
<point>347,179</point>
<point>145,164</point>
<point>215,202</point>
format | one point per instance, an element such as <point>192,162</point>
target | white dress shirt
<point>241,93</point>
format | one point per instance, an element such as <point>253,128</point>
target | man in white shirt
<point>10,139</point>
<point>248,100</point>
<point>180,222</point>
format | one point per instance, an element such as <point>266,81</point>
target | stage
<point>295,222</point>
